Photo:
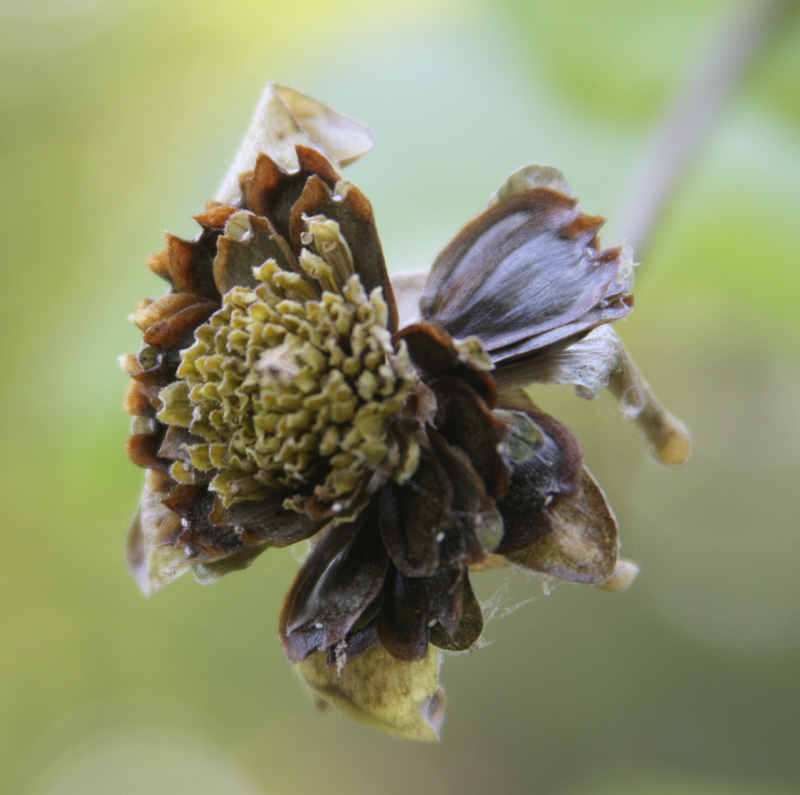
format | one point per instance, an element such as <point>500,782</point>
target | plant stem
<point>688,121</point>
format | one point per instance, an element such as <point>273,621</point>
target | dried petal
<point>265,522</point>
<point>525,275</point>
<point>249,241</point>
<point>474,527</point>
<point>414,605</point>
<point>412,516</point>
<point>464,419</point>
<point>597,361</point>
<point>285,118</point>
<point>151,550</point>
<point>351,209</point>
<point>342,575</point>
<point>470,626</point>
<point>436,354</point>
<point>546,462</point>
<point>581,544</point>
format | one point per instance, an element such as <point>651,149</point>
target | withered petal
<point>152,548</point>
<point>351,209</point>
<point>215,216</point>
<point>341,577</point>
<point>249,241</point>
<point>265,522</point>
<point>414,605</point>
<point>434,354</point>
<point>464,419</point>
<point>263,182</point>
<point>173,446</point>
<point>470,626</point>
<point>136,402</point>
<point>179,327</point>
<point>142,449</point>
<point>523,275</point>
<point>163,308</point>
<point>189,262</point>
<point>413,514</point>
<point>203,541</point>
<point>582,544</point>
<point>474,527</point>
<point>158,368</point>
<point>315,195</point>
<point>271,191</point>
<point>550,468</point>
<point>208,571</point>
<point>311,161</point>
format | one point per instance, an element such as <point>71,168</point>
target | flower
<point>277,398</point>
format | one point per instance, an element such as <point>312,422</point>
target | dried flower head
<point>277,398</point>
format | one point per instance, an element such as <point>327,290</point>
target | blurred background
<point>118,119</point>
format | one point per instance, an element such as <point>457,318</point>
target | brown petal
<point>136,402</point>
<point>215,216</point>
<point>464,419</point>
<point>358,641</point>
<point>174,444</point>
<point>474,527</point>
<point>265,522</point>
<point>582,543</point>
<point>311,161</point>
<point>351,209</point>
<point>546,462</point>
<point>189,263</point>
<point>203,540</point>
<point>162,309</point>
<point>434,354</point>
<point>262,184</point>
<point>413,514</point>
<point>470,626</point>
<point>249,241</point>
<point>525,274</point>
<point>209,571</point>
<point>158,368</point>
<point>413,605</point>
<point>179,327</point>
<point>272,191</point>
<point>142,449</point>
<point>342,575</point>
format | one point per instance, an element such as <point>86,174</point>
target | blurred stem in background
<point>691,117</point>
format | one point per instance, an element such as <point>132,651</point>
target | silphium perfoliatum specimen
<point>279,398</point>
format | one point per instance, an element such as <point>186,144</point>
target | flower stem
<point>691,117</point>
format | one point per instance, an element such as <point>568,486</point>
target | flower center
<point>294,386</point>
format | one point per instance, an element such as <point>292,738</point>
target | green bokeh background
<point>120,117</point>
